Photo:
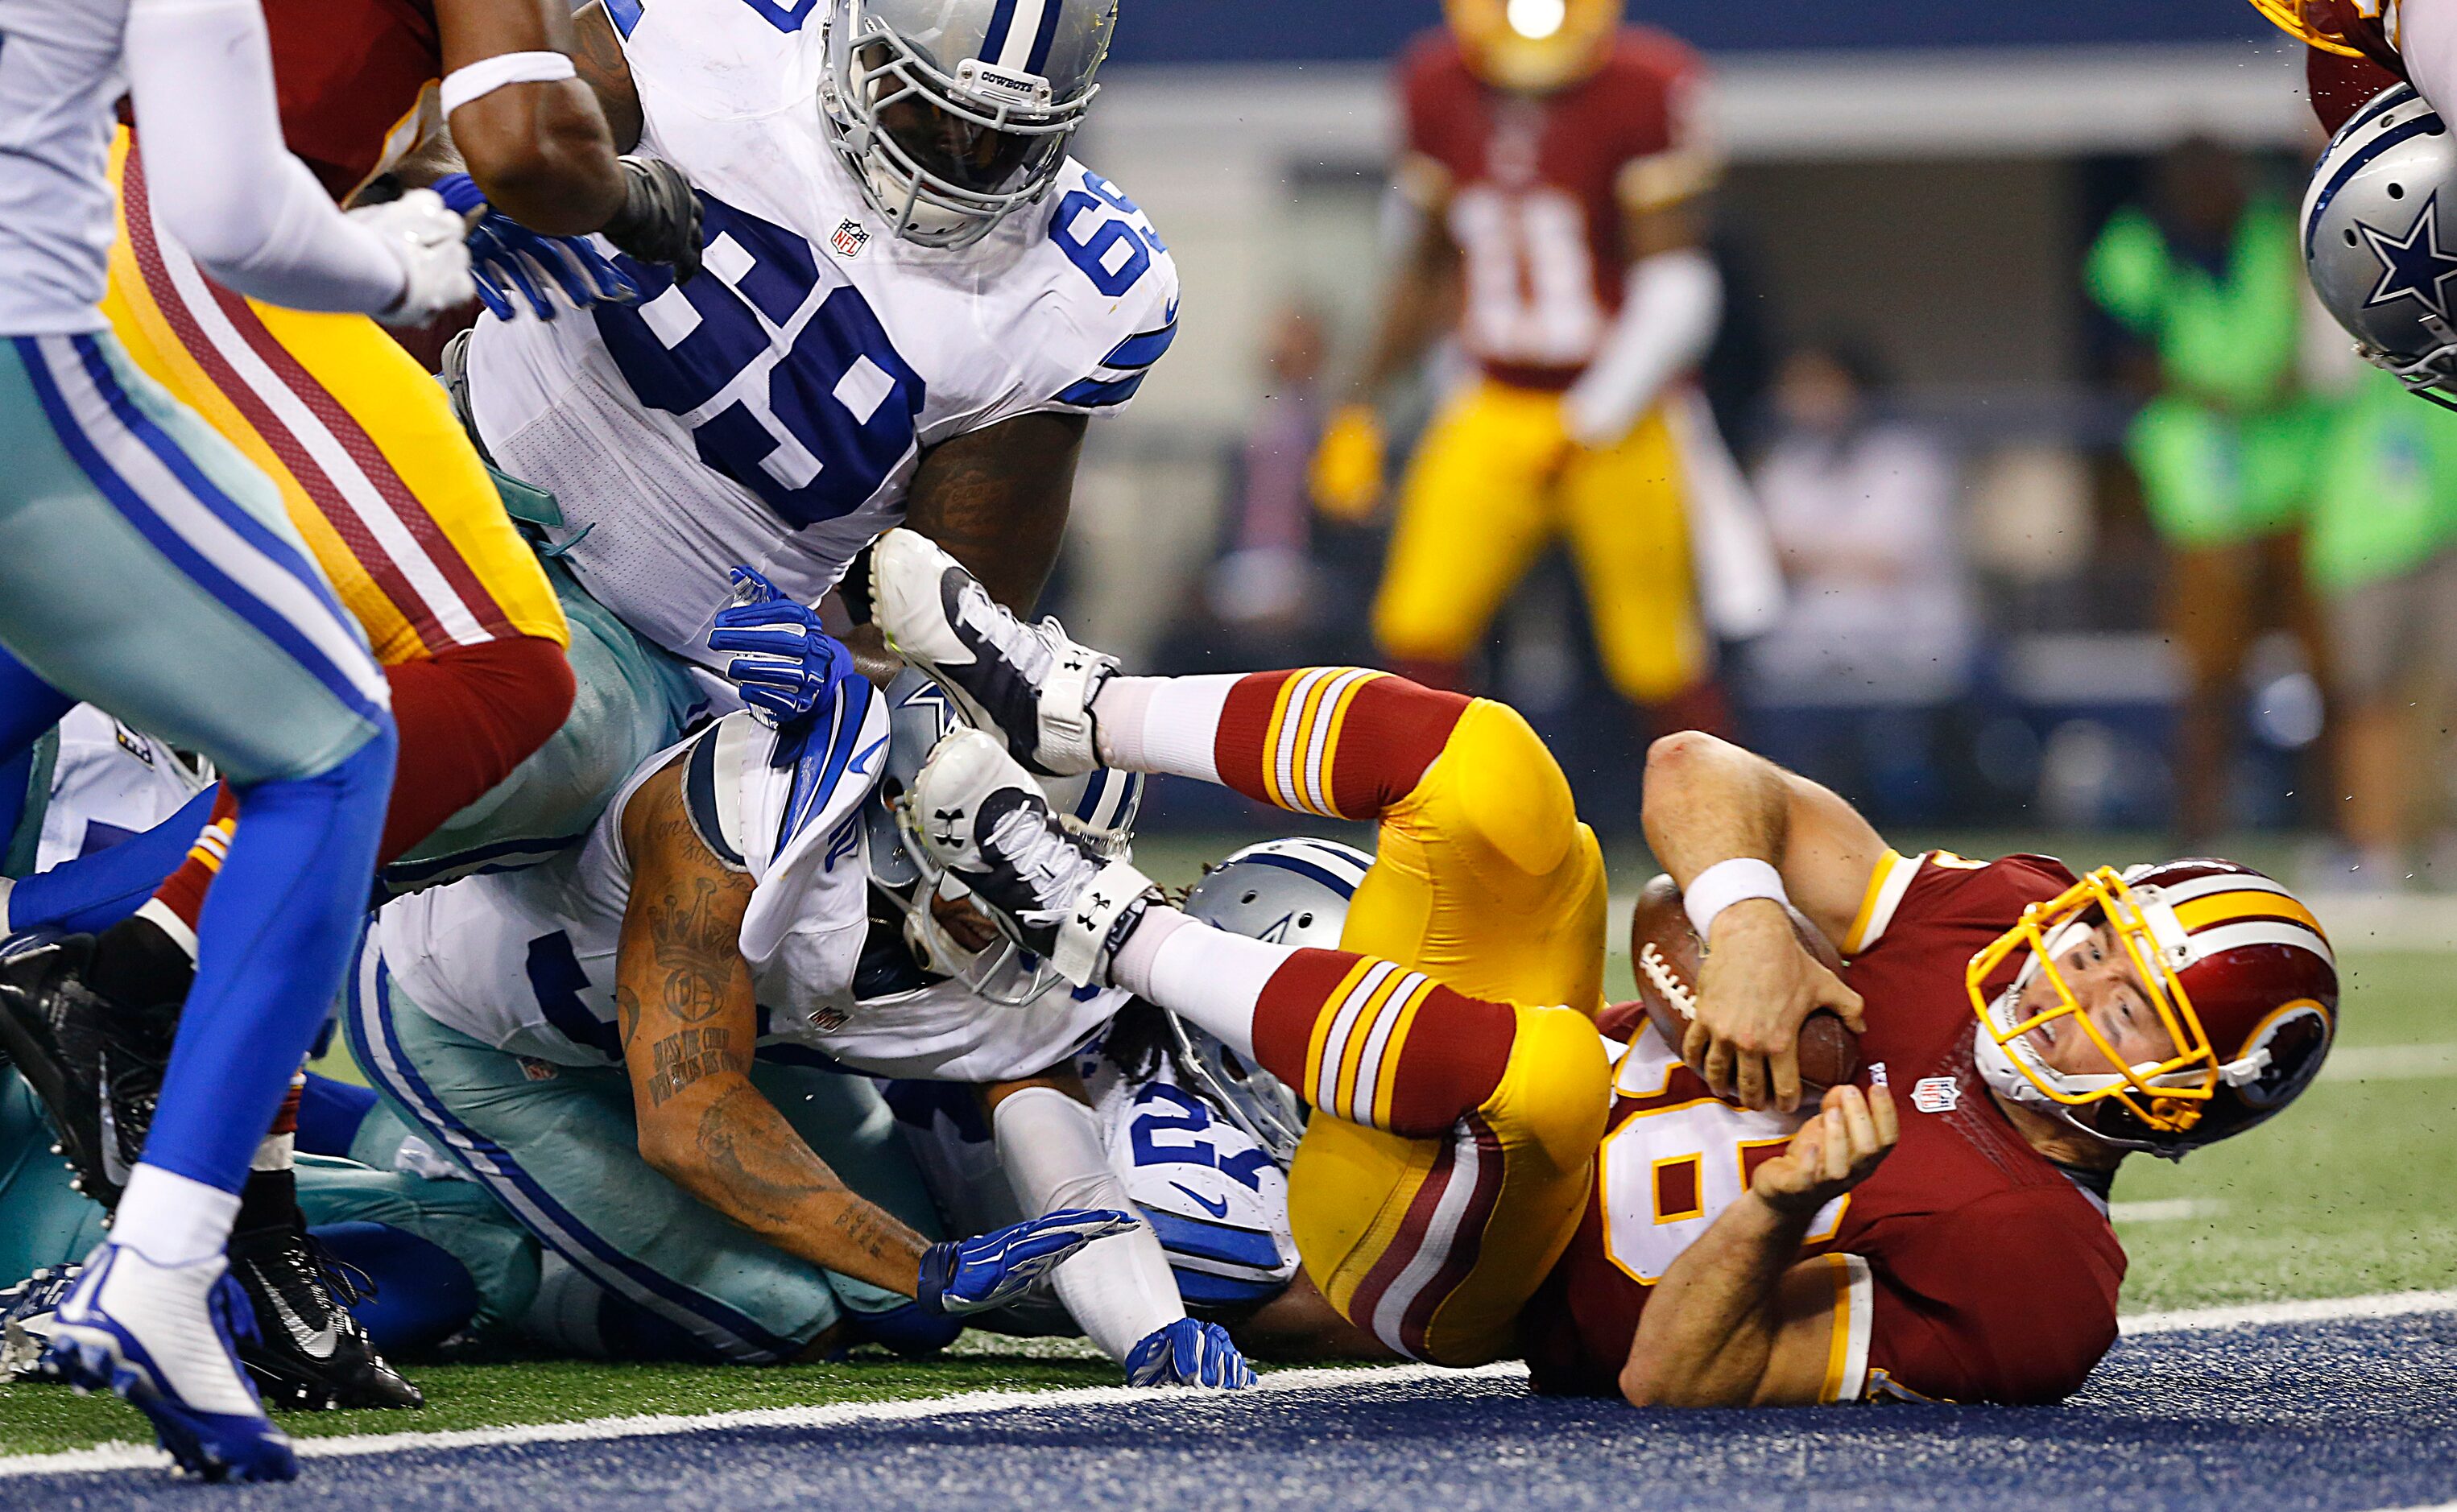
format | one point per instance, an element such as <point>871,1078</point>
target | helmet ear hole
<point>2396,190</point>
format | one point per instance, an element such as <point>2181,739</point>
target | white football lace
<point>1659,972</point>
<point>1043,857</point>
<point>1026,648</point>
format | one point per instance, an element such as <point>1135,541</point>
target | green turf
<point>38,1420</point>
<point>2344,1194</point>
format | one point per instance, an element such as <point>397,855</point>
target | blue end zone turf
<point>2342,1417</point>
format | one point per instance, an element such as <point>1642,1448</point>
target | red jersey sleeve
<point>1668,155</point>
<point>2004,1300</point>
<point>1439,115</point>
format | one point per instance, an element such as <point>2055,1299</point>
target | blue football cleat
<point>1188,1352</point>
<point>164,1337</point>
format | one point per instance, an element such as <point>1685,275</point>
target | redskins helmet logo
<point>1533,47</point>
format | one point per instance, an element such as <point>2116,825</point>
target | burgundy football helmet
<point>2238,970</point>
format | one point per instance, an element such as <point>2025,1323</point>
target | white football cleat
<point>979,815</point>
<point>164,1337</point>
<point>1027,682</point>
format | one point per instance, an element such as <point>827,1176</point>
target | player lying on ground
<point>1485,1173</point>
<point>431,1254</point>
<point>640,1046</point>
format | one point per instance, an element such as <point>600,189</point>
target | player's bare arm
<point>1738,1320</point>
<point>598,54</point>
<point>1708,800</point>
<point>997,500</point>
<point>1419,303</point>
<point>541,149</point>
<point>688,1024</point>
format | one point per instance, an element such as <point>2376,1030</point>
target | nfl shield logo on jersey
<point>850,239</point>
<point>1936,1093</point>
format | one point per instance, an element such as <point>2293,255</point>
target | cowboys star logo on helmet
<point>2412,266</point>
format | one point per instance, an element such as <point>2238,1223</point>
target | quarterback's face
<point>2108,988</point>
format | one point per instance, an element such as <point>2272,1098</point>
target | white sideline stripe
<point>109,1456</point>
<point>2386,1305</point>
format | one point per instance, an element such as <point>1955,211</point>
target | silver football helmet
<point>955,114</point>
<point>1100,804</point>
<point>2378,241</point>
<point>1292,891</point>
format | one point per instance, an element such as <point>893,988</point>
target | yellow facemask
<point>2168,1096</point>
<point>2290,18</point>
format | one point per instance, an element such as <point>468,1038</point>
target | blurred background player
<point>2205,278</point>
<point>1554,179</point>
<point>151,569</point>
<point>389,495</point>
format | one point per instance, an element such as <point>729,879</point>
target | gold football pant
<point>1495,478</point>
<point>1487,884</point>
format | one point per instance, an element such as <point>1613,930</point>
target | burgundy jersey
<point>1535,187</point>
<point>353,76</point>
<point>1967,1267</point>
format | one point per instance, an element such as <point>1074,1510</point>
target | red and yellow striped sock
<point>1374,1043</point>
<point>1344,742</point>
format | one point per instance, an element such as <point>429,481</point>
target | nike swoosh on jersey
<point>1217,1207</point>
<point>860,764</point>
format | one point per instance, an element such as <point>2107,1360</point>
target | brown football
<point>1665,954</point>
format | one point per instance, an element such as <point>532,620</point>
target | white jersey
<point>772,413</point>
<point>525,960</point>
<point>60,76</point>
<point>107,783</point>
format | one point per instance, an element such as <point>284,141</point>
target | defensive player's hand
<point>1188,1352</point>
<point>1757,987</point>
<point>659,221</point>
<point>1347,476</point>
<point>511,262</point>
<point>425,236</point>
<point>1830,1154</point>
<point>777,654</point>
<point>972,1275</point>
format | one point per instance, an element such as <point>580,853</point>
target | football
<point>1665,952</point>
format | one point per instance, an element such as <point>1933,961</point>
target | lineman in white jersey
<point>146,567</point>
<point>911,301</point>
<point>618,1042</point>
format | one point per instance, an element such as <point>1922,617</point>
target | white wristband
<point>486,75</point>
<point>1728,882</point>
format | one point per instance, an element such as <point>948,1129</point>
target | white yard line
<point>135,1457</point>
<point>2390,1063</point>
<point>2167,1210</point>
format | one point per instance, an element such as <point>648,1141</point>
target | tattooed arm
<point>688,1024</point>
<point>997,500</point>
<point>598,54</point>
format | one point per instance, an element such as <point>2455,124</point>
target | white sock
<point>1209,977</point>
<point>172,1219</point>
<point>1162,723</point>
<point>1120,1288</point>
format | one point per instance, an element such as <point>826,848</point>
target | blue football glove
<point>783,663</point>
<point>971,1276</point>
<point>551,273</point>
<point>1188,1352</point>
